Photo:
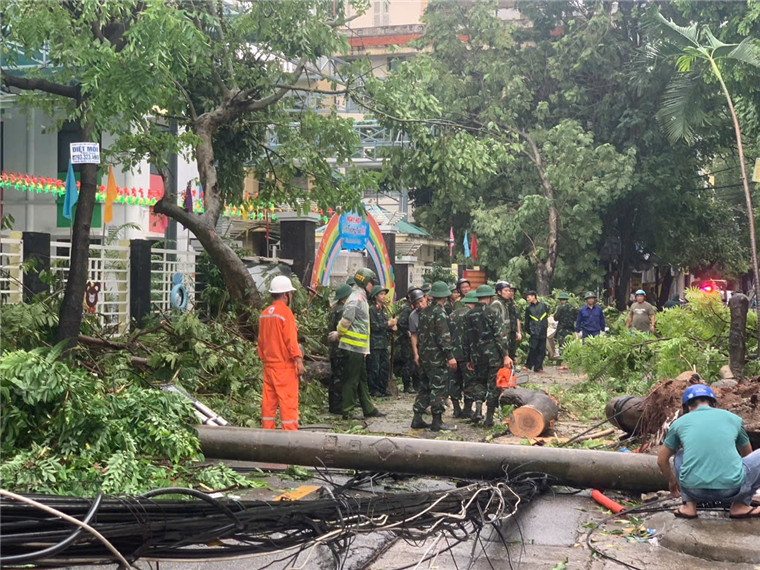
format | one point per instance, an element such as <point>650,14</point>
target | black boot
<point>438,424</point>
<point>375,414</point>
<point>467,411</point>
<point>457,408</point>
<point>408,386</point>
<point>418,422</point>
<point>489,417</point>
<point>477,415</point>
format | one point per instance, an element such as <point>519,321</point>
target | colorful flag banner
<point>474,247</point>
<point>72,194</point>
<point>451,241</point>
<point>188,203</point>
<point>466,245</point>
<point>111,194</point>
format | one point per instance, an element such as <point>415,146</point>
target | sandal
<point>750,514</point>
<point>679,514</point>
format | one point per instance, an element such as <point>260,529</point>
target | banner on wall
<point>354,231</point>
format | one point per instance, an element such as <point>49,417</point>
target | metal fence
<point>11,259</point>
<point>109,277</point>
<point>165,264</point>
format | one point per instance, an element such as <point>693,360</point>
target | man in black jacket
<point>536,325</point>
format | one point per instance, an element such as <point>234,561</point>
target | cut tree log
<point>625,412</point>
<point>536,412</point>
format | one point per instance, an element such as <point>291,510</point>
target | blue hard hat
<point>698,391</point>
<point>641,292</point>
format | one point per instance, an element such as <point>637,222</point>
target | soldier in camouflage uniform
<point>435,354</point>
<point>565,316</point>
<point>337,357</point>
<point>463,287</point>
<point>449,304</point>
<point>462,377</point>
<point>380,327</point>
<point>404,358</point>
<point>489,351</point>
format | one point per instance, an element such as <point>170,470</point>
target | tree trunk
<point>237,279</point>
<point>624,412</point>
<point>536,411</point>
<point>543,280</point>
<point>625,262</point>
<point>667,283</point>
<point>70,313</point>
<point>747,195</point>
<point>737,341</point>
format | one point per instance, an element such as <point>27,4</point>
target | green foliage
<point>439,273</point>
<point>64,430</point>
<point>693,337</point>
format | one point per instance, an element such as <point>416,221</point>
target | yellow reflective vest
<point>355,338</point>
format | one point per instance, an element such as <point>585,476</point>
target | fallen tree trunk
<point>575,467</point>
<point>536,412</point>
<point>624,412</point>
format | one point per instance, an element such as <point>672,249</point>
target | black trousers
<point>536,353</point>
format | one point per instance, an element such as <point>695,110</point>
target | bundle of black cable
<point>170,529</point>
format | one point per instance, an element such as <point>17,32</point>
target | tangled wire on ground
<point>148,528</point>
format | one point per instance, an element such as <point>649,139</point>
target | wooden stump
<point>625,412</point>
<point>536,412</point>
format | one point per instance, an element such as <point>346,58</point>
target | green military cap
<point>351,281</point>
<point>377,290</point>
<point>342,292</point>
<point>485,291</point>
<point>563,297</point>
<point>470,297</point>
<point>590,295</point>
<point>452,288</point>
<point>439,290</point>
<point>425,287</point>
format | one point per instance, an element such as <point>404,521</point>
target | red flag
<point>474,247</point>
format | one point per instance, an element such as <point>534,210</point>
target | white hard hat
<point>281,284</point>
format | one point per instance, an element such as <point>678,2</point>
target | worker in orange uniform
<point>282,358</point>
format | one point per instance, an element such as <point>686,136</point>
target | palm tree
<point>680,114</point>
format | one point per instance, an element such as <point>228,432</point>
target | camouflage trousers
<point>335,388</point>
<point>561,337</point>
<point>433,390</point>
<point>483,387</point>
<point>460,379</point>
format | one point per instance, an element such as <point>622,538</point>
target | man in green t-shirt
<point>641,316</point>
<point>713,459</point>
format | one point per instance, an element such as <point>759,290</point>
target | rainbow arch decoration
<point>352,232</point>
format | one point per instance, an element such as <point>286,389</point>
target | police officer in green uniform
<point>337,357</point>
<point>436,354</point>
<point>353,336</point>
<point>488,351</point>
<point>380,327</point>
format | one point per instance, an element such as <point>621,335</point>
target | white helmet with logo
<point>281,284</point>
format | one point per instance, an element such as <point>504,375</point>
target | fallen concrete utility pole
<point>576,467</point>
